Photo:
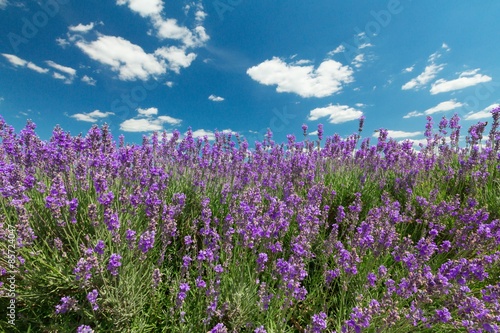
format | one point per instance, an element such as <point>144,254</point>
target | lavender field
<point>319,234</point>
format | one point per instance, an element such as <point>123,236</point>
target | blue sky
<point>245,66</point>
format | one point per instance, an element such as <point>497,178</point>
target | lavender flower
<point>146,241</point>
<point>84,329</point>
<point>99,248</point>
<point>318,323</point>
<point>114,263</point>
<point>219,328</point>
<point>67,304</point>
<point>92,298</point>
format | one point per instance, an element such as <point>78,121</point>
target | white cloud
<point>358,60</point>
<point>82,28</point>
<point>443,107</point>
<point>36,68</point>
<point>67,70</point>
<point>129,60</point>
<point>147,112</point>
<point>2,99</point>
<point>144,8</point>
<point>483,114</point>
<point>141,125</point>
<point>339,49</point>
<point>399,134</point>
<point>59,76</point>
<point>88,80</point>
<point>91,117</point>
<point>176,57</point>
<point>336,114</point>
<point>425,77</point>
<point>465,79</point>
<point>169,84</point>
<point>146,122</point>
<point>170,29</point>
<point>409,69</point>
<point>430,72</point>
<point>169,120</point>
<point>215,98</point>
<point>62,42</point>
<point>413,114</point>
<point>18,62</point>
<point>3,4</point>
<point>200,133</point>
<point>305,81</point>
<point>15,60</point>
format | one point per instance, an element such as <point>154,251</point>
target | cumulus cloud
<point>336,114</point>
<point>129,60</point>
<point>483,114</point>
<point>305,81</point>
<point>465,79</point>
<point>200,133</point>
<point>215,98</point>
<point>443,107</point>
<point>91,117</point>
<point>82,27</point>
<point>176,57</point>
<point>145,8</point>
<point>146,121</point>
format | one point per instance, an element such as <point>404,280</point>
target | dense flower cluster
<point>336,234</point>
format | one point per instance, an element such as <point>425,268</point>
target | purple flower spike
<point>114,263</point>
<point>84,329</point>
<point>92,298</point>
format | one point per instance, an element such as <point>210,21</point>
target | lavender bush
<point>184,235</point>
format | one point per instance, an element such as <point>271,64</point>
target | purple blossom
<point>443,315</point>
<point>219,328</point>
<point>67,304</point>
<point>114,263</point>
<point>318,323</point>
<point>260,329</point>
<point>84,329</point>
<point>200,283</point>
<point>146,241</point>
<point>156,278</point>
<point>92,298</point>
<point>99,248</point>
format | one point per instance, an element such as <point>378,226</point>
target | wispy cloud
<point>399,134</point>
<point>148,121</point>
<point>3,4</point>
<point>215,98</point>
<point>413,114</point>
<point>88,80</point>
<point>69,72</point>
<point>430,72</point>
<point>336,114</point>
<point>483,114</point>
<point>18,62</point>
<point>91,117</point>
<point>465,79</point>
<point>443,107</point>
<point>305,81</point>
